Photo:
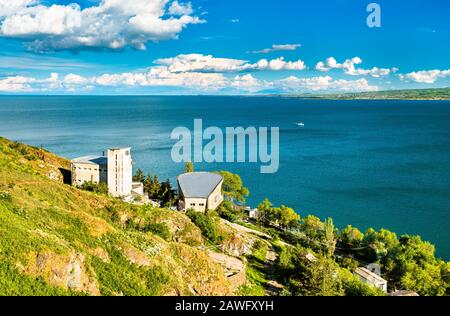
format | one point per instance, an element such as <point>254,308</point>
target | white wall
<point>120,172</point>
<point>84,172</point>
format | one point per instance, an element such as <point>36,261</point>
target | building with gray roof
<point>371,278</point>
<point>89,169</point>
<point>199,191</point>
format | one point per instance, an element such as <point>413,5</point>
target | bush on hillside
<point>206,224</point>
<point>100,188</point>
<point>160,229</point>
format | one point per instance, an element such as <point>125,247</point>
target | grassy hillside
<point>58,240</point>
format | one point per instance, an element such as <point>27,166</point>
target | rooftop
<point>369,276</point>
<point>198,184</point>
<point>92,160</point>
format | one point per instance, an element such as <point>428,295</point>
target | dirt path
<point>247,230</point>
<point>273,287</point>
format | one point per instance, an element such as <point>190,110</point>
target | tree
<point>233,187</point>
<point>329,236</point>
<point>412,265</point>
<point>152,186</point>
<point>267,214</point>
<point>424,279</point>
<point>139,176</point>
<point>312,226</point>
<point>286,216</point>
<point>189,167</point>
<point>167,194</point>
<point>322,278</point>
<point>379,244</point>
<point>351,237</point>
<point>264,212</point>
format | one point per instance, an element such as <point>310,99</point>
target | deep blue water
<point>365,163</point>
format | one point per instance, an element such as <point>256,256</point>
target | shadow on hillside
<point>267,269</point>
<point>67,176</point>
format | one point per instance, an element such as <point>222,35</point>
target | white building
<point>89,169</point>
<point>116,170</point>
<point>251,212</point>
<point>371,278</point>
<point>120,172</point>
<point>199,191</point>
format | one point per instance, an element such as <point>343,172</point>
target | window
<point>192,204</point>
<point>127,153</point>
<point>201,204</point>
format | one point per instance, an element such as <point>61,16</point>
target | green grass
<point>39,215</point>
<point>13,283</point>
<point>255,283</point>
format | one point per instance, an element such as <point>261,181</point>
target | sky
<point>222,47</point>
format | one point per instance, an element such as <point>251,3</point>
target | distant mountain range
<point>414,94</point>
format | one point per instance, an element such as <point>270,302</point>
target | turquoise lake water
<point>365,163</point>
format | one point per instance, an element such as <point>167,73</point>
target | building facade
<point>116,170</point>
<point>120,172</point>
<point>199,191</point>
<point>89,169</point>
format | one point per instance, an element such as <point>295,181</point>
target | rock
<point>67,271</point>
<point>134,255</point>
<point>53,175</point>
<point>101,253</point>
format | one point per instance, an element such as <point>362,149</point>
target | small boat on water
<point>300,124</point>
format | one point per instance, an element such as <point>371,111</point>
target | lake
<point>365,163</point>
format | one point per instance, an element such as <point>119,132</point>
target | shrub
<point>5,197</point>
<point>260,249</point>
<point>160,229</point>
<point>100,188</point>
<point>229,216</point>
<point>206,224</point>
<point>227,211</point>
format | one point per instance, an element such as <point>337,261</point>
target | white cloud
<point>160,76</point>
<point>10,7</point>
<point>177,8</point>
<point>202,82</point>
<point>234,20</point>
<point>16,84</point>
<point>75,79</point>
<point>208,63</point>
<point>277,48</point>
<point>28,84</point>
<point>195,72</point>
<point>248,83</point>
<point>324,83</point>
<point>426,76</point>
<point>112,24</point>
<point>348,66</point>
